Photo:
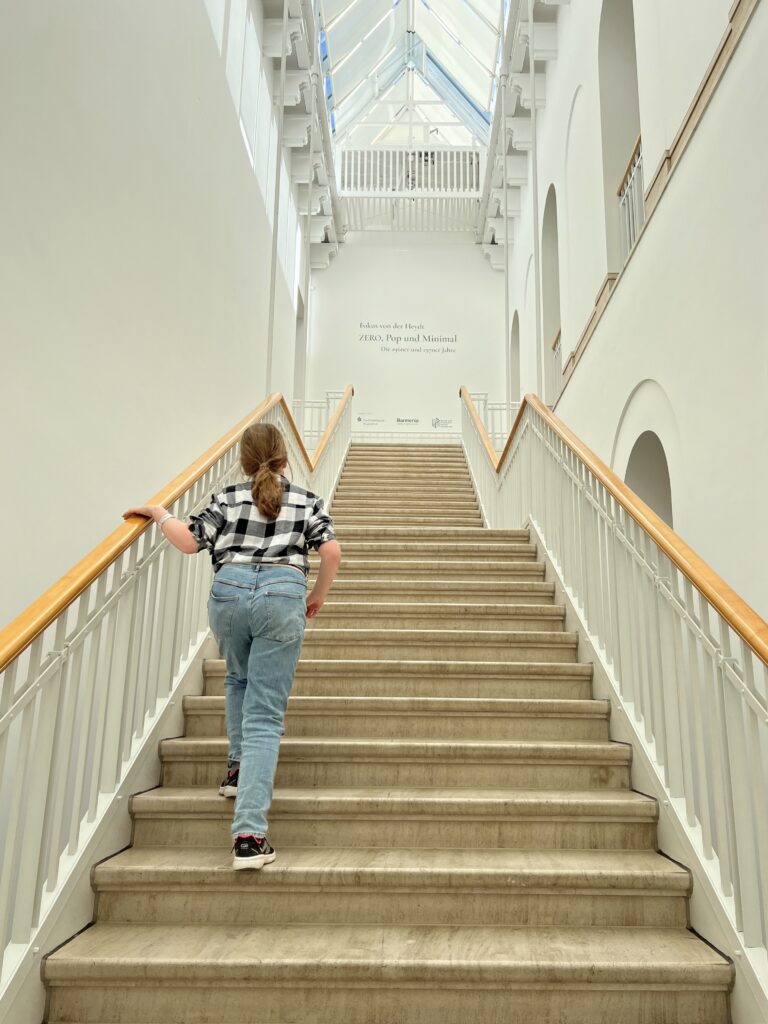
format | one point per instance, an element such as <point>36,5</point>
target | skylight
<point>407,72</point>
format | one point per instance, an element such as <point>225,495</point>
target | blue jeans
<point>257,614</point>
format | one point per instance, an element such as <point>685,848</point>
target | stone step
<point>430,644</point>
<point>354,763</point>
<point>429,614</point>
<point>416,480</point>
<point>402,499</point>
<point>407,476</point>
<point>403,447</point>
<point>475,591</point>
<point>320,677</point>
<point>395,503</point>
<point>392,534</point>
<point>437,522</point>
<point>416,471</point>
<point>433,975</point>
<point>442,718</point>
<point>415,487</point>
<point>455,818</point>
<point>477,549</point>
<point>405,452</point>
<point>310,885</point>
<point>399,508</point>
<point>397,467</point>
<point>381,569</point>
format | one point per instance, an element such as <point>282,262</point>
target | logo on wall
<point>438,424</point>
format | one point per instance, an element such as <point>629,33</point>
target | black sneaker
<point>251,852</point>
<point>228,786</point>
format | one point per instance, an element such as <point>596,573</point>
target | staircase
<point>457,837</point>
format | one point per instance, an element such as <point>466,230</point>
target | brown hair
<point>262,456</point>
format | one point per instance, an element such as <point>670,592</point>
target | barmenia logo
<point>404,419</point>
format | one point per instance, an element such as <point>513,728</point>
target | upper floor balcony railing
<point>400,172</point>
<point>631,201</point>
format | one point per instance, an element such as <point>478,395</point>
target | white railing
<point>83,677</point>
<point>632,202</point>
<point>687,664</point>
<point>497,418</point>
<point>400,172</point>
<point>330,456</point>
<point>313,415</point>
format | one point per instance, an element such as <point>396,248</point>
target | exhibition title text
<point>406,337</point>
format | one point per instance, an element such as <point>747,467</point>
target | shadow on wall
<point>648,475</point>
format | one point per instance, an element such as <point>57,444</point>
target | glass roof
<point>404,72</point>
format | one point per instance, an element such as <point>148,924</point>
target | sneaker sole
<point>252,863</point>
<point>228,791</point>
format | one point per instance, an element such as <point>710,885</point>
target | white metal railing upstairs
<point>88,667</point>
<point>401,172</point>
<point>631,201</point>
<point>686,656</point>
<point>497,418</point>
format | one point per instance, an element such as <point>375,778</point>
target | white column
<point>507,339</point>
<point>535,207</point>
<point>276,213</point>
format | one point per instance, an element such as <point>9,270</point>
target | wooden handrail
<point>22,630</point>
<point>465,395</point>
<point>348,392</point>
<point>742,618</point>
<point>628,168</point>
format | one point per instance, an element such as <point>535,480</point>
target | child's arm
<point>172,529</point>
<point>330,557</point>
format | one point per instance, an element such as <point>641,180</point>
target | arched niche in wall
<point>514,358</point>
<point>647,474</point>
<point>619,110</point>
<point>550,294</point>
<point>648,410</point>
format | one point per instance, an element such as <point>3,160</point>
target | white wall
<point>682,348</point>
<point>438,283</point>
<point>134,263</point>
<point>675,44</point>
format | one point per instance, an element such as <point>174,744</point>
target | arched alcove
<point>550,293</point>
<point>648,474</point>
<point>619,110</point>
<point>514,358</point>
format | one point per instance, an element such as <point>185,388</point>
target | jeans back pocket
<point>286,611</point>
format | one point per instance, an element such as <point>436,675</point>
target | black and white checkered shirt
<point>234,531</point>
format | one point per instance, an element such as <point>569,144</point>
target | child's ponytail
<point>262,455</point>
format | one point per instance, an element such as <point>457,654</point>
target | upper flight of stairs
<point>456,833</point>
